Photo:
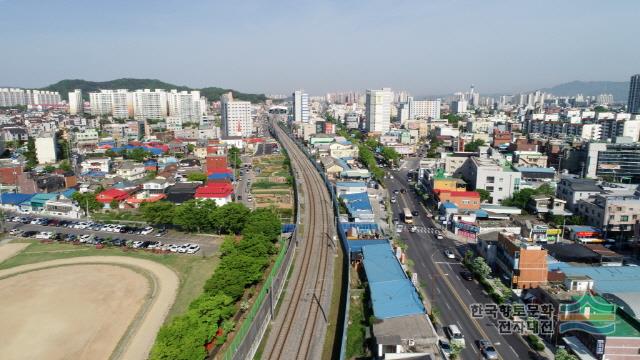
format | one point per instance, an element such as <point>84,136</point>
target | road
<point>242,186</point>
<point>439,278</point>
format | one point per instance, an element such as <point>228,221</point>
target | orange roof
<point>459,193</point>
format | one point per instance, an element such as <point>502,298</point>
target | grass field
<point>192,270</point>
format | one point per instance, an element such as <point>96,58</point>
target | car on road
<point>415,213</point>
<point>399,228</point>
<point>194,248</point>
<point>439,236</point>
<point>466,275</point>
<point>445,348</point>
<point>396,192</point>
<point>413,229</point>
<point>449,254</point>
<point>454,334</point>
<point>393,200</point>
<point>487,350</point>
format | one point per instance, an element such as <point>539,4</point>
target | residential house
<point>131,170</point>
<point>221,192</point>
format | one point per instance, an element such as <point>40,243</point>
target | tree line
<point>209,317</point>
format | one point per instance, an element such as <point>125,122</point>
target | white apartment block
<point>378,110</point>
<point>13,97</point>
<point>300,106</point>
<point>117,103</point>
<point>501,181</point>
<point>174,123</point>
<point>149,104</point>
<point>76,105</point>
<point>236,116</point>
<point>46,148</point>
<point>459,106</point>
<point>188,106</point>
<point>423,109</point>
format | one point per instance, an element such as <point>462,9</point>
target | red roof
<point>214,190</point>
<point>220,171</point>
<point>109,195</point>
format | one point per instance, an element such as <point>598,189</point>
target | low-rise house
<point>350,187</point>
<point>572,190</point>
<point>131,171</point>
<point>155,186</point>
<point>182,192</point>
<point>109,195</point>
<point>358,207</point>
<point>221,192</point>
<point>464,200</point>
<point>96,164</point>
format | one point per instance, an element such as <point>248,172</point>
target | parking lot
<point>97,234</point>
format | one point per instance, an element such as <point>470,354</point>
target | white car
<point>84,238</point>
<point>449,254</point>
<point>136,244</point>
<point>413,229</point>
<point>439,237</point>
<point>183,248</point>
<point>146,231</point>
<point>14,232</point>
<point>174,247</point>
<point>194,248</point>
<point>393,200</point>
<point>44,235</point>
<point>399,228</point>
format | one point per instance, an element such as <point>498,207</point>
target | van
<point>454,334</point>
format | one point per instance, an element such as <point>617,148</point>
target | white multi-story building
<point>149,104</point>
<point>459,106</point>
<point>236,116</point>
<point>117,103</point>
<point>605,99</point>
<point>76,104</point>
<point>378,110</point>
<point>300,106</point>
<point>46,148</point>
<point>13,97</point>
<point>423,109</point>
<point>501,181</point>
<point>188,106</point>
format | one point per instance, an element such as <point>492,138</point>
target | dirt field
<point>9,250</point>
<point>83,307</point>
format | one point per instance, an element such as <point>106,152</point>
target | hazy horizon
<point>426,48</point>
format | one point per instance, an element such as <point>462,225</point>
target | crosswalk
<point>424,230</point>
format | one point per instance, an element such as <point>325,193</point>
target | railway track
<point>298,323</point>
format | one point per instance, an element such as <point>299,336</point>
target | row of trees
<point>209,317</point>
<point>197,216</point>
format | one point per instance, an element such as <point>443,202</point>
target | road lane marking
<point>468,291</point>
<point>448,307</point>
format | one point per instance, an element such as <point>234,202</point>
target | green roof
<point>624,326</point>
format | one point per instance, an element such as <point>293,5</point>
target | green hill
<point>211,93</point>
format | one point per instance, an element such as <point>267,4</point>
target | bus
<point>408,218</point>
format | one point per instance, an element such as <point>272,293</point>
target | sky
<point>426,47</point>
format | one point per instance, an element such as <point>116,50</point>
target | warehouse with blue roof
<point>358,206</point>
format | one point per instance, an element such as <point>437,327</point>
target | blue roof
<point>356,246</point>
<point>15,199</point>
<point>288,228</point>
<point>362,227</point>
<point>343,164</point>
<point>150,162</point>
<point>449,205</point>
<point>68,193</point>
<point>580,228</point>
<point>218,176</point>
<point>351,184</point>
<point>347,158</point>
<point>357,203</point>
<point>606,279</point>
<point>94,173</point>
<point>536,169</point>
<point>481,213</point>
<point>392,293</point>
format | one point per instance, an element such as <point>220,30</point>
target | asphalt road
<point>241,184</point>
<point>208,244</point>
<point>440,279</point>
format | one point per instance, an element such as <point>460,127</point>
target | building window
<point>491,179</point>
<point>624,218</point>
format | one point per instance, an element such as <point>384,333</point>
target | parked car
<point>29,234</point>
<point>70,237</point>
<point>466,275</point>
<point>174,247</point>
<point>161,233</point>
<point>15,232</point>
<point>183,248</point>
<point>445,348</point>
<point>194,248</point>
<point>136,244</point>
<point>487,350</point>
<point>146,231</point>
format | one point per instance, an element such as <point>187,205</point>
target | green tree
<point>480,267</point>
<point>456,349</point>
<point>234,157</point>
<point>193,215</point>
<point>159,212</point>
<point>87,199</point>
<point>197,176</point>
<point>600,108</point>
<point>484,195</point>
<point>110,153</point>
<point>138,154</point>
<point>229,218</point>
<point>390,154</point>
<point>49,169</point>
<point>65,166</point>
<point>519,198</point>
<point>114,204</point>
<point>562,354</point>
<point>474,145</point>
<point>63,146</point>
<point>31,155</point>
<point>190,147</point>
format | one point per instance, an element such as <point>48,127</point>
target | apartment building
<point>189,106</point>
<point>300,109</point>
<point>236,116</point>
<point>501,180</point>
<point>617,215</point>
<point>149,104</point>
<point>13,97</point>
<point>572,190</point>
<point>378,110</point>
<point>525,264</point>
<point>76,104</point>
<point>117,103</point>
<point>618,161</point>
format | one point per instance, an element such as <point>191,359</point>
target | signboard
<point>414,279</point>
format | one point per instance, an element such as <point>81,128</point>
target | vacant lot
<point>87,307</point>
